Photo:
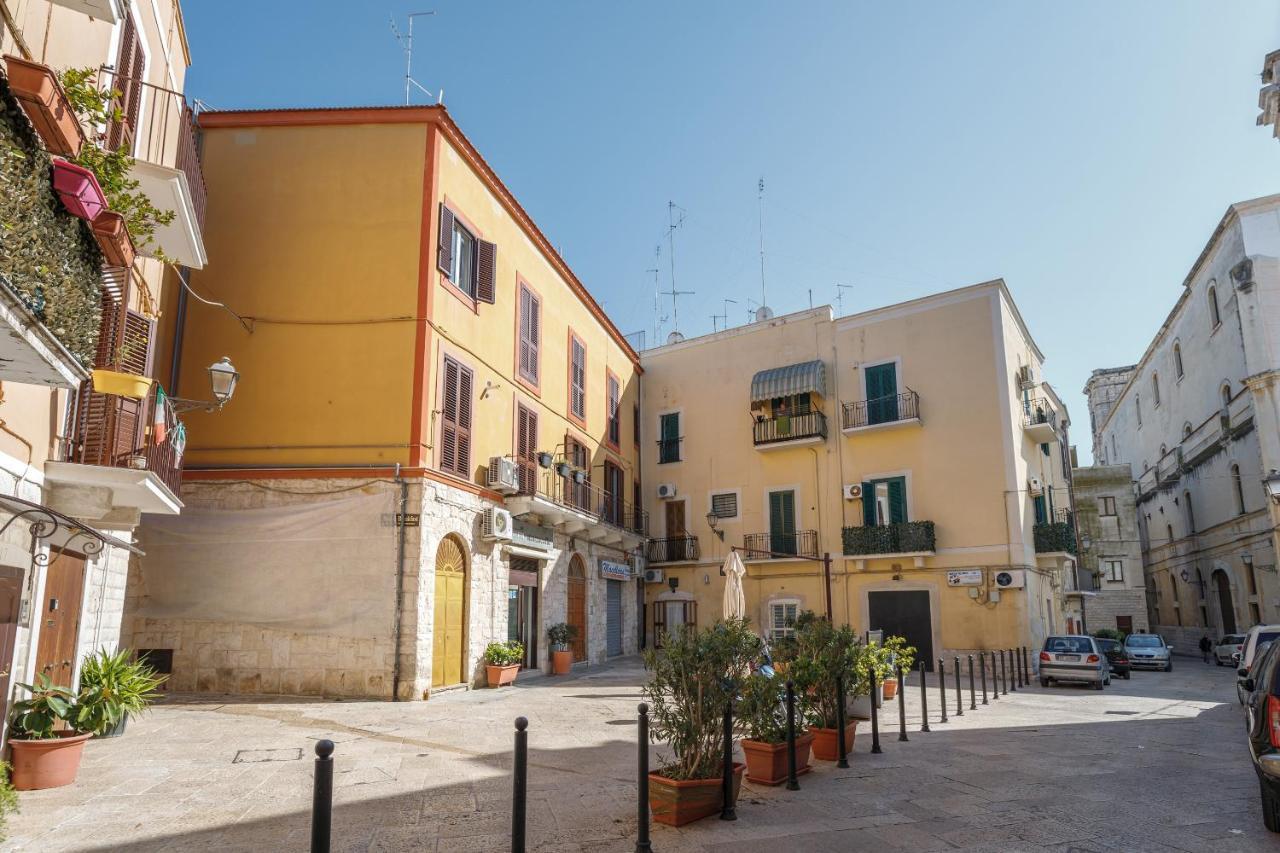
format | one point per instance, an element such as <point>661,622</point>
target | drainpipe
<point>180,325</point>
<point>400,555</point>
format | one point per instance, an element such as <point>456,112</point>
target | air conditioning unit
<point>852,491</point>
<point>495,524</point>
<point>666,491</point>
<point>1011,579</point>
<point>653,575</point>
<point>1035,486</point>
<point>503,476</point>
<point>1025,380</point>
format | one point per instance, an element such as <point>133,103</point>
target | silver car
<point>1149,651</point>
<point>1074,657</point>
<point>1226,649</point>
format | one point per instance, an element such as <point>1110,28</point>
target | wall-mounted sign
<point>531,535</point>
<point>965,577</point>
<point>615,571</point>
<point>410,519</point>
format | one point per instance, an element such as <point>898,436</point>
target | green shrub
<point>1109,634</point>
<point>762,709</point>
<point>504,654</point>
<point>8,800</point>
<point>886,657</point>
<point>37,717</point>
<point>112,685</point>
<point>825,653</point>
<point>561,635</point>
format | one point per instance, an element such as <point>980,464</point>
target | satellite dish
<point>764,312</point>
<point>675,338</point>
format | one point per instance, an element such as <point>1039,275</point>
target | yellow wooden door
<point>448,635</point>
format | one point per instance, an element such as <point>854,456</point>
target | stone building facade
<point>1112,580</point>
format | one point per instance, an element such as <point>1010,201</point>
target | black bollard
<point>875,717</point>
<point>982,665</point>
<point>959,692</point>
<point>1026,665</point>
<point>726,786</point>
<point>942,688</point>
<point>1004,675</point>
<point>792,784</point>
<point>322,798</point>
<point>973,695</point>
<point>520,787</point>
<point>1017,669</point>
<point>995,678</point>
<point>924,700</point>
<point>902,705</point>
<point>843,760</point>
<point>642,774</point>
<point>1013,672</point>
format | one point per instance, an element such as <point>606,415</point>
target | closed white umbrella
<point>735,603</point>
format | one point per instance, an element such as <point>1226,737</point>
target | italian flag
<point>159,423</point>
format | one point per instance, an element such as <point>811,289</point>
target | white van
<point>1257,636</point>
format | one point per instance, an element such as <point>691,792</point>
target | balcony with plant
<point>905,537</point>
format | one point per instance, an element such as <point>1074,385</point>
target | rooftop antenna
<point>658,319</point>
<point>760,212</point>
<point>840,289</point>
<point>724,315</point>
<point>674,222</point>
<point>751,310</point>
<point>406,45</point>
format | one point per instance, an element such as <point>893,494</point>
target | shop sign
<point>615,571</point>
<point>529,535</point>
<point>965,577</point>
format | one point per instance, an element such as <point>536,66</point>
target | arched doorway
<point>1223,583</point>
<point>577,613</point>
<point>448,631</point>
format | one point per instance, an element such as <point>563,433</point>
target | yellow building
<point>434,446</point>
<point>916,445</point>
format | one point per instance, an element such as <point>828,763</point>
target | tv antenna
<point>723,315</point>
<point>840,289</point>
<point>658,319</point>
<point>406,45</point>
<point>760,214</point>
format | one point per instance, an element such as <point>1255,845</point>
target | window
<point>1238,485</point>
<point>1226,394</point>
<point>1114,452</point>
<point>526,448</point>
<point>577,378</point>
<point>1177,360</point>
<point>1106,505</point>
<point>882,393</point>
<point>1113,570</point>
<point>1137,408</point>
<point>1215,318</point>
<point>1249,575</point>
<point>673,614</point>
<point>613,488</point>
<point>782,522</point>
<point>1155,389</point>
<point>468,261</point>
<point>782,619</point>
<point>669,442</point>
<point>530,334</point>
<point>884,501</point>
<point>1169,529</point>
<point>1041,509</point>
<point>637,500</point>
<point>613,409</point>
<point>455,420</point>
<point>1177,606</point>
<point>635,424</point>
<point>724,504</point>
<point>1164,451</point>
<point>1191,516</point>
<point>128,81</point>
<point>579,460</point>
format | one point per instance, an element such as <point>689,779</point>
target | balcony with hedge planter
<point>1055,537</point>
<point>915,539</point>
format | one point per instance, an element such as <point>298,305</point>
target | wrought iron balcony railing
<point>883,410</point>
<point>117,432</point>
<point>674,549</point>
<point>668,450</point>
<point>790,428</point>
<point>904,537</point>
<point>1038,411</point>
<point>779,546</point>
<point>1054,536</point>
<point>586,497</point>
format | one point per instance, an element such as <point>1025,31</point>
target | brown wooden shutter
<point>535,335</point>
<point>611,407</point>
<point>449,417</point>
<point>444,257</point>
<point>464,421</point>
<point>526,447</point>
<point>130,69</point>
<point>486,271</point>
<point>523,333</point>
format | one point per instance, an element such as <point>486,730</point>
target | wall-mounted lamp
<point>222,381</point>
<point>713,521</point>
<point>1272,484</point>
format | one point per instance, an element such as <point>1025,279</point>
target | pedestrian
<point>1206,646</point>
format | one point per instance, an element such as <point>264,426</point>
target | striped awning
<point>803,378</point>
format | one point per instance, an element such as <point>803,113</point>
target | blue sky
<point>1082,151</point>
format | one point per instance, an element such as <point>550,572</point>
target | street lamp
<point>223,378</point>
<point>713,521</point>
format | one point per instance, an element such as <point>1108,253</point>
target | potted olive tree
<point>502,662</point>
<point>824,656</point>
<point>888,657</point>
<point>560,636</point>
<point>762,718</point>
<point>45,754</point>
<point>691,679</point>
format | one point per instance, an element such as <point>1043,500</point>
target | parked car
<point>1263,715</point>
<point>1149,650</point>
<point>1255,638</point>
<point>1226,649</point>
<point>1117,657</point>
<point>1074,657</point>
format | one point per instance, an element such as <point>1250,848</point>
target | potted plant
<point>824,654</point>
<point>502,662</point>
<point>112,234</point>
<point>762,717</point>
<point>78,189</point>
<point>113,687</point>
<point>560,636</point>
<point>46,105</point>
<point>892,654</point>
<point>43,755</point>
<point>691,679</point>
<point>121,384</point>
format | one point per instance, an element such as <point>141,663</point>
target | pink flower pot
<point>78,189</point>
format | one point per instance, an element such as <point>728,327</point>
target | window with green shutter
<point>882,393</point>
<point>669,440</point>
<point>782,522</point>
<point>884,506</point>
<point>1042,511</point>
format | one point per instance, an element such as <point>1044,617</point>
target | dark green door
<point>669,446</point>
<point>782,522</point>
<point>897,501</point>
<point>882,393</point>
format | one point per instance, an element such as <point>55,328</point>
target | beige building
<point>1110,581</point>
<point>917,445</point>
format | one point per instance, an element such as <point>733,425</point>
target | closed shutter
<point>444,255</point>
<point>1041,514</point>
<point>526,448</point>
<point>882,390</point>
<point>613,617</point>
<point>898,500</point>
<point>130,69</point>
<point>670,427</point>
<point>111,428</point>
<point>869,504</point>
<point>578,380</point>
<point>724,505</point>
<point>530,334</point>
<point>486,271</point>
<point>611,406</point>
<point>782,522</point>
<point>455,431</point>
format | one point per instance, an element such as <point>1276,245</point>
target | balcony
<point>883,413</point>
<point>789,430</point>
<point>1039,421</point>
<point>781,546</point>
<point>1055,537</point>
<point>1169,467</point>
<point>1204,441</point>
<point>900,539</point>
<point>675,549</point>
<point>580,509</point>
<point>113,468</point>
<point>1240,411</point>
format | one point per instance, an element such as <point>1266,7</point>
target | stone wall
<point>104,597</point>
<point>1101,610</point>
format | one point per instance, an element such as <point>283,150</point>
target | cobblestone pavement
<point>1157,763</point>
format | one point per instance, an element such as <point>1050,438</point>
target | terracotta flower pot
<point>890,688</point>
<point>46,105</point>
<point>767,762</point>
<point>498,675</point>
<point>51,763</point>
<point>78,189</point>
<point>826,742</point>
<point>676,803</point>
<point>113,238</point>
<point>561,662</point>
